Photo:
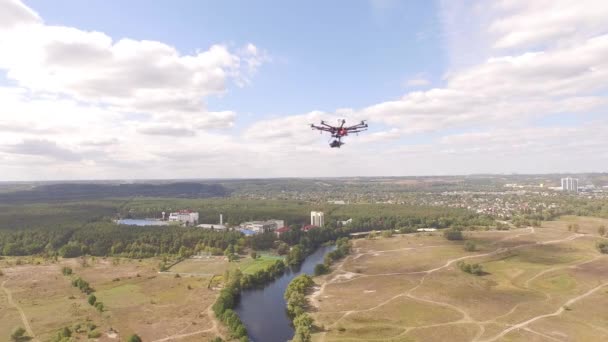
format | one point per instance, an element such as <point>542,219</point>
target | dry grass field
<point>137,299</point>
<point>540,284</point>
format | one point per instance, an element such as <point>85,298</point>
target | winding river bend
<point>263,310</point>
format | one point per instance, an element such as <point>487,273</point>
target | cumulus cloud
<point>47,149</point>
<point>124,108</point>
<point>125,74</point>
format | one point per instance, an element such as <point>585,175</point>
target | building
<point>426,229</point>
<point>186,217</point>
<point>262,226</point>
<point>308,227</point>
<point>281,230</point>
<point>213,226</point>
<point>570,184</point>
<point>317,218</point>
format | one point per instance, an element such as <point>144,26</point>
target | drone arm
<point>320,128</point>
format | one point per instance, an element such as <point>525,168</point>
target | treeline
<point>104,238</point>
<point>227,301</point>
<point>295,296</point>
<point>343,247</point>
<point>76,191</point>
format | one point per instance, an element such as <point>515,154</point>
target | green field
<point>217,265</point>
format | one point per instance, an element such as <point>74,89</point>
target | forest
<point>71,229</point>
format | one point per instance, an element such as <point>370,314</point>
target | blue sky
<point>197,89</point>
<point>324,54</point>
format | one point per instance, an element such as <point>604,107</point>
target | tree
<point>470,246</point>
<point>92,299</point>
<point>321,269</point>
<point>134,338</point>
<point>453,234</point>
<point>254,255</point>
<point>303,325</point>
<point>282,248</point>
<point>18,334</point>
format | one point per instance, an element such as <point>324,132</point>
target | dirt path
<point>466,317</point>
<point>536,318</point>
<point>214,329</point>
<point>24,319</point>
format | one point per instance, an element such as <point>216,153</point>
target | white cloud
<point>126,75</point>
<point>122,108</point>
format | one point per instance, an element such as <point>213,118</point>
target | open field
<point>158,307</point>
<point>210,266</point>
<point>539,284</point>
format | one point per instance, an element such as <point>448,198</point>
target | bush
<point>470,246</point>
<point>92,299</point>
<point>66,271</point>
<point>94,334</point>
<point>134,338</point>
<point>18,334</point>
<point>387,233</point>
<point>453,234</point>
<point>474,269</point>
<point>321,269</point>
<point>99,306</point>
<point>602,247</point>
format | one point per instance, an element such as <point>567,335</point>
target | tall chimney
<point>221,219</point>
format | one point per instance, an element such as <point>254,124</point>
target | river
<point>263,310</point>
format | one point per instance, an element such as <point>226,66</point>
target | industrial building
<point>262,226</point>
<point>317,218</point>
<point>570,184</point>
<point>186,217</point>
<point>214,226</point>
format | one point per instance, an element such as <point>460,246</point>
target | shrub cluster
<point>602,247</point>
<point>475,269</point>
<point>82,285</point>
<point>453,234</point>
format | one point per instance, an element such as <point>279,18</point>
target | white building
<point>263,226</point>
<point>213,226</point>
<point>570,184</point>
<point>184,216</point>
<point>317,218</point>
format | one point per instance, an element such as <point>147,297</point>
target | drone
<point>337,132</point>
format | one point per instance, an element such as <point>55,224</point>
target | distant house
<point>281,230</point>
<point>308,228</point>
<point>426,229</point>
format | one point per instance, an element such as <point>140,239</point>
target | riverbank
<point>262,310</point>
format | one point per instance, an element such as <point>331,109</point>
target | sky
<point>108,89</point>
